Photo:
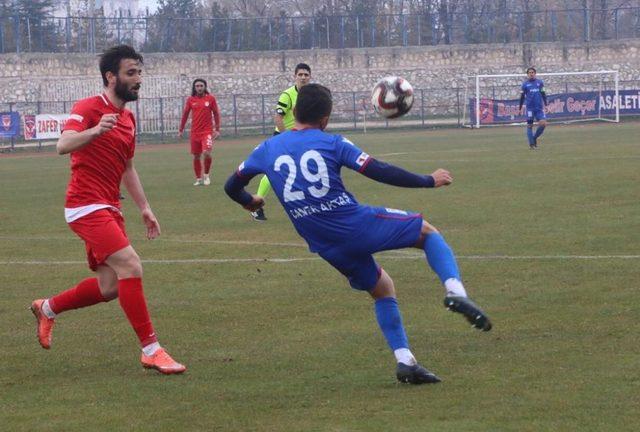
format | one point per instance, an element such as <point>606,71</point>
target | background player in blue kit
<point>303,166</point>
<point>536,101</point>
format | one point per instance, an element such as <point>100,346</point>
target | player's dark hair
<point>110,60</point>
<point>531,69</point>
<point>193,86</point>
<point>302,66</point>
<point>314,103</point>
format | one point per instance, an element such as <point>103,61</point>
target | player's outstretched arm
<point>396,176</point>
<point>71,140</point>
<point>132,182</point>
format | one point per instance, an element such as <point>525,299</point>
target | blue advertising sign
<point>563,106</point>
<point>9,124</point>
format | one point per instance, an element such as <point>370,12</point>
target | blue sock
<point>530,135</point>
<point>390,322</point>
<point>440,257</point>
<point>539,131</point>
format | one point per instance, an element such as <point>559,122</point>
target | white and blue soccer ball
<point>392,97</point>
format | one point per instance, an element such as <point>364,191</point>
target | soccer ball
<point>392,97</point>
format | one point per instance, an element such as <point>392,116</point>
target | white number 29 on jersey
<point>320,180</point>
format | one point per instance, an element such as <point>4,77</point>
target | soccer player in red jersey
<point>100,137</point>
<point>203,104</point>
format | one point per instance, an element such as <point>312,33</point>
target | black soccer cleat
<point>415,374</point>
<point>258,215</point>
<point>470,310</point>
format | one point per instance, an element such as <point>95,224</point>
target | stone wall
<point>247,83</point>
<point>47,77</point>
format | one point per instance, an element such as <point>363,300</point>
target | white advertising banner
<point>48,126</point>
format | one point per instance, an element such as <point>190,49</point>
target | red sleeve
<point>216,112</point>
<point>82,116</point>
<point>185,114</point>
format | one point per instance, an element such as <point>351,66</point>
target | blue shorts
<point>536,114</point>
<point>382,229</point>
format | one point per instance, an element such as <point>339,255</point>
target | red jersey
<point>97,168</point>
<point>202,107</point>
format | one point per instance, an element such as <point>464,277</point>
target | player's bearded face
<point>128,92</point>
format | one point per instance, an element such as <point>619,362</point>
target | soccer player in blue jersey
<point>303,166</point>
<point>536,101</point>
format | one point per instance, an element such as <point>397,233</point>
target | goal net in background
<point>492,100</point>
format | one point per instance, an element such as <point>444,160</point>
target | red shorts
<point>103,234</point>
<point>202,143</point>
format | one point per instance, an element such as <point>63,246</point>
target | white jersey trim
<point>75,213</point>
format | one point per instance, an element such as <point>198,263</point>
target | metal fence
<point>155,34</point>
<point>158,119</point>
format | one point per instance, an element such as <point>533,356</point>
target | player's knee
<point>134,267</point>
<point>126,263</point>
<point>196,156</point>
<point>384,287</point>
<point>425,230</point>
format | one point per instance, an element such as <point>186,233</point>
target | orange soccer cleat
<point>45,324</point>
<point>162,362</point>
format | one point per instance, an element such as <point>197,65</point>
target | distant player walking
<point>303,166</point>
<point>203,105</point>
<point>535,100</point>
<point>284,120</point>
<point>100,135</point>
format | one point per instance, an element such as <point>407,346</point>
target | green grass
<point>288,346</point>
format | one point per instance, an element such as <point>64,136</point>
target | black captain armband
<point>396,176</point>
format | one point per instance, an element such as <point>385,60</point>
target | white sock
<point>404,355</point>
<point>151,349</point>
<point>46,310</point>
<point>454,288</point>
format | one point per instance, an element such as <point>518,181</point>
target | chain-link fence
<point>156,34</point>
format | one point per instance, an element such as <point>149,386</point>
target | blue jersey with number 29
<point>304,170</point>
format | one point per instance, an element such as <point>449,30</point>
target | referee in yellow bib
<point>284,120</point>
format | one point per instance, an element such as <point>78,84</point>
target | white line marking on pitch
<point>314,258</point>
<point>169,240</point>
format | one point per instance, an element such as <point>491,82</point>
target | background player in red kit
<point>100,136</point>
<point>203,104</point>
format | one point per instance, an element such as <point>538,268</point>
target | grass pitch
<point>548,243</point>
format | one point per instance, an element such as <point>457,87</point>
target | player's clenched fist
<point>107,122</point>
<point>441,177</point>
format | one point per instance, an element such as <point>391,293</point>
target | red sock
<point>86,293</point>
<point>207,164</point>
<point>135,308</point>
<point>197,168</point>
